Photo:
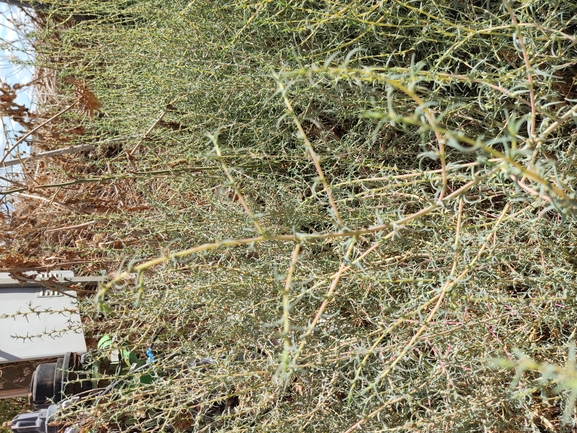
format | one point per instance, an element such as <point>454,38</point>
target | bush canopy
<point>364,211</point>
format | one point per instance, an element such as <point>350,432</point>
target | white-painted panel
<point>38,323</point>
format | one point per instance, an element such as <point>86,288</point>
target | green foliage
<point>564,378</point>
<point>353,206</point>
<point>9,408</point>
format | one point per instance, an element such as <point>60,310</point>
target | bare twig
<point>73,227</point>
<point>50,201</point>
<point>33,130</point>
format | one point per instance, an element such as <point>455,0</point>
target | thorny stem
<point>148,131</point>
<point>328,298</point>
<point>435,127</point>
<point>399,321</point>
<point>528,67</point>
<point>312,153</point>
<point>239,194</point>
<point>378,410</point>
<point>283,365</point>
<point>438,299</point>
<point>398,225</point>
<point>572,112</point>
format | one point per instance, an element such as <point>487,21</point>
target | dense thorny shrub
<point>354,206</point>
